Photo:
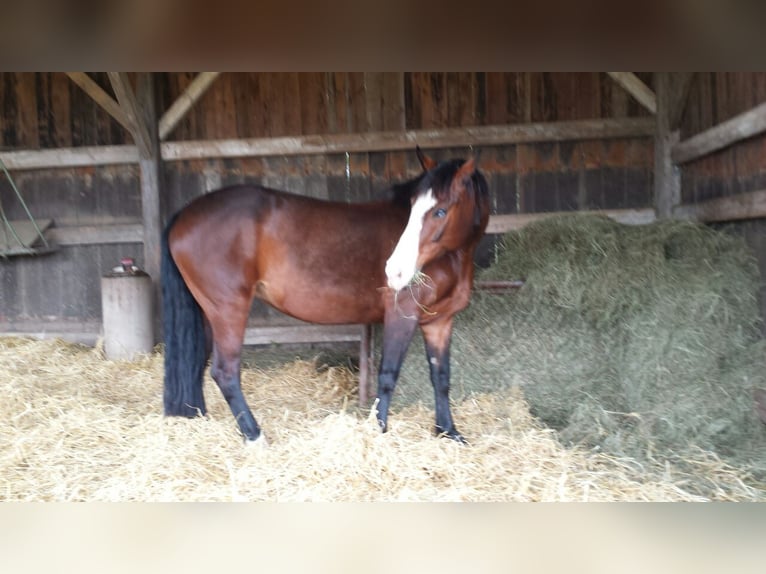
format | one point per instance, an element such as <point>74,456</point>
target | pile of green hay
<point>640,341</point>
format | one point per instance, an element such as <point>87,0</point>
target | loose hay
<point>640,342</point>
<point>74,426</point>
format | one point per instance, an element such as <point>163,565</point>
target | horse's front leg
<point>437,335</point>
<point>398,329</point>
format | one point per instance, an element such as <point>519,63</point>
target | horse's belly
<point>323,305</point>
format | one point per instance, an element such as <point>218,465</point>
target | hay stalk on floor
<point>74,426</point>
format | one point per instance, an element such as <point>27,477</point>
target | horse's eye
<point>440,213</point>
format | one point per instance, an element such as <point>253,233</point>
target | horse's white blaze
<point>401,266</point>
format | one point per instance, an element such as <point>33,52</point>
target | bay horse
<point>407,262</point>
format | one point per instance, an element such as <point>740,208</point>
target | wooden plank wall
<point>713,98</point>
<point>48,110</point>
<point>65,285</point>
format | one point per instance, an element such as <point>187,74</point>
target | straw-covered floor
<point>74,426</point>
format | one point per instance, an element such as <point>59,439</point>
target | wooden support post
<point>366,367</point>
<point>667,176</point>
<point>126,97</point>
<point>150,209</point>
<point>149,165</point>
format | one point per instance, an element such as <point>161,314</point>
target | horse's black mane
<point>439,180</point>
<point>405,191</point>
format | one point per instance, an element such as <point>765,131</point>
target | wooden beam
<point>69,157</point>
<point>738,128</point>
<point>742,206</point>
<point>132,232</point>
<point>403,140</point>
<point>636,88</point>
<point>513,221</point>
<point>88,332</point>
<point>374,141</point>
<point>126,97</point>
<point>96,234</point>
<point>83,333</point>
<point>667,176</point>
<point>103,99</point>
<point>185,101</point>
<point>498,286</point>
<point>307,333</point>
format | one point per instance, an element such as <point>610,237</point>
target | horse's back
<point>226,204</point>
<point>319,261</point>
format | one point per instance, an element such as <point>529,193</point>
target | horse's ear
<point>425,161</point>
<point>466,170</point>
<point>462,179</point>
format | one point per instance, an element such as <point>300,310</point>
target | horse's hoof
<point>458,438</point>
<point>259,443</point>
<point>452,434</point>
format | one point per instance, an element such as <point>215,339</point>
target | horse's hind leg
<point>225,368</point>
<point>437,338</point>
<point>226,373</point>
<point>208,338</point>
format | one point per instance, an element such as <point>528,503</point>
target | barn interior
<point>96,163</point>
<point>102,160</point>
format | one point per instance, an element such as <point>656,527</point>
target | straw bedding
<point>74,426</point>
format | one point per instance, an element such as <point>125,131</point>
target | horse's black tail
<point>185,349</point>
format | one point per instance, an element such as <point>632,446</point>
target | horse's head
<point>450,210</point>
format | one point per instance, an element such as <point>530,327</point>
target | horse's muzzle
<point>397,279</point>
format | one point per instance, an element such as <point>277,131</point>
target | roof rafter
<point>184,102</point>
<point>636,88</point>
<point>99,95</point>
